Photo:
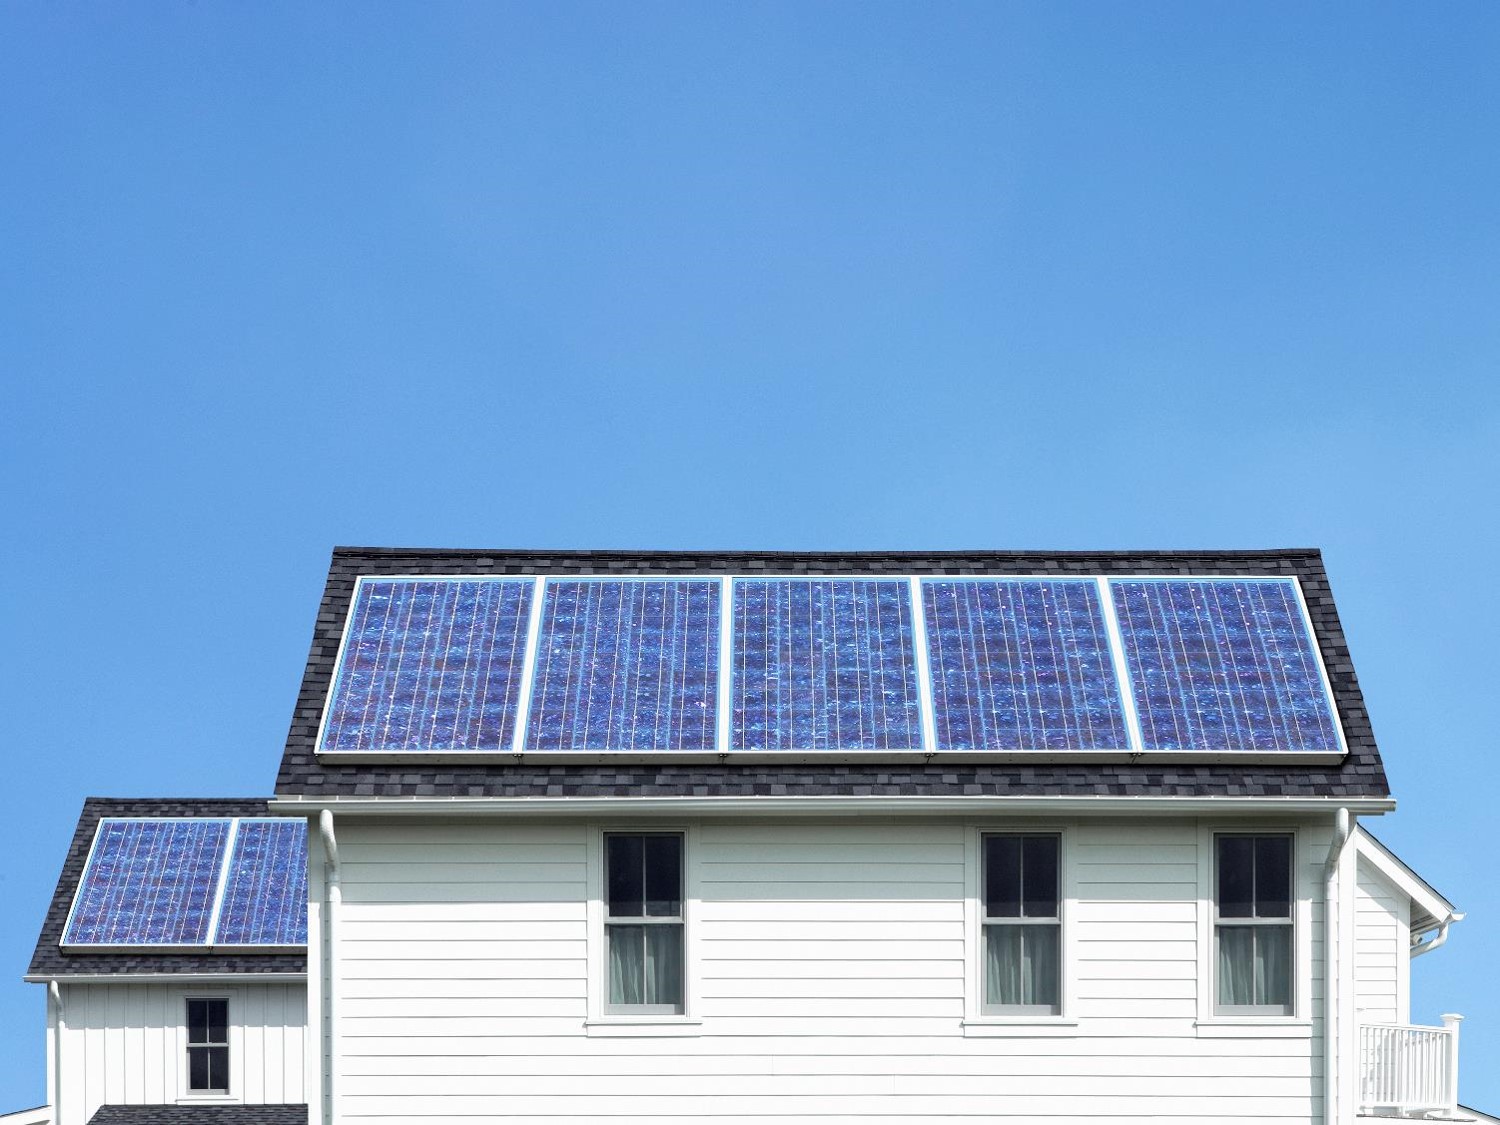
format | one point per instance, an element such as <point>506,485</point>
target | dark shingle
<point>50,959</point>
<point>200,1115</point>
<point>1360,774</point>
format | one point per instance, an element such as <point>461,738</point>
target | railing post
<point>1451,1022</point>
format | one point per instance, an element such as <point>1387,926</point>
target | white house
<point>599,836</point>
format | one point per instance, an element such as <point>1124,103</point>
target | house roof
<point>1430,908</point>
<point>52,960</point>
<point>200,1115</point>
<point>303,774</point>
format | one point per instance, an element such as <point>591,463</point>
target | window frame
<point>232,1043</point>
<point>1295,1019</point>
<point>985,1020</point>
<point>604,1018</point>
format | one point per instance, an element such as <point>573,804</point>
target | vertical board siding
<point>1381,928</point>
<point>122,1044</point>
<point>829,976</point>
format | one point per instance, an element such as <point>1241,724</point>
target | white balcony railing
<point>1409,1070</point>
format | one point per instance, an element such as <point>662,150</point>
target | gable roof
<point>1430,908</point>
<point>50,959</point>
<point>303,774</point>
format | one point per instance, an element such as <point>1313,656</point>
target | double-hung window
<point>643,923</point>
<point>208,1045</point>
<point>1253,925</point>
<point>1022,925</point>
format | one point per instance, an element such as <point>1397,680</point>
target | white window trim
<point>601,1022</point>
<point>177,1000</point>
<point>1298,1022</point>
<point>979,1022</point>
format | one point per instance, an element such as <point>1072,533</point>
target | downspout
<point>1332,992</point>
<point>333,898</point>
<point>54,999</point>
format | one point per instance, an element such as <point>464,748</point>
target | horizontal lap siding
<point>830,979</point>
<point>1381,926</point>
<point>123,1044</point>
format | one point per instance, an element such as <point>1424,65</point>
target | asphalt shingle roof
<point>1360,774</point>
<point>200,1115</point>
<point>50,959</point>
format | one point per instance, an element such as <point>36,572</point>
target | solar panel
<point>430,664</point>
<point>264,901</point>
<point>1220,664</point>
<point>149,882</point>
<point>626,665</point>
<point>1021,665</point>
<point>824,664</point>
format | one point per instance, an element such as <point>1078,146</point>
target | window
<point>1253,925</point>
<point>643,923</point>
<point>208,1046</point>
<point>1022,926</point>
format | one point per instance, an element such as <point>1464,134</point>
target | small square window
<point>208,1045</point>
<point>1253,925</point>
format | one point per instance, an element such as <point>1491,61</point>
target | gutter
<point>334,897</point>
<point>1332,963</point>
<point>840,805</point>
<point>1442,936</point>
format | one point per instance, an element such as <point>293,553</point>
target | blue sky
<point>812,275</point>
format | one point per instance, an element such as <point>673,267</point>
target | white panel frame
<point>928,752</point>
<point>221,880</point>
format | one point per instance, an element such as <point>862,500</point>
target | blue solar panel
<point>626,665</point>
<point>824,664</point>
<point>1220,664</point>
<point>1021,665</point>
<point>430,664</point>
<point>265,891</point>
<point>149,882</point>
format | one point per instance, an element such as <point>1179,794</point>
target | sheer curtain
<point>645,966</point>
<point>1236,965</point>
<point>1021,966</point>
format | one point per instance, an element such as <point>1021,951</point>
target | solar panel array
<point>183,882</point>
<point>708,664</point>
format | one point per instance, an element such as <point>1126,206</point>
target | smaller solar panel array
<point>703,663</point>
<point>182,882</point>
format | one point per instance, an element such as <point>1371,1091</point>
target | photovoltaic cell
<point>626,665</point>
<point>1021,665</point>
<point>824,664</point>
<point>1218,664</point>
<point>149,882</point>
<point>430,664</point>
<point>265,890</point>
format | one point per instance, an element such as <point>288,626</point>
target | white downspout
<point>1332,992</point>
<point>55,1042</point>
<point>330,978</point>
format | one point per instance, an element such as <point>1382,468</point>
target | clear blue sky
<point>798,275</point>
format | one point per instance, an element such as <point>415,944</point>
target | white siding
<point>1382,923</point>
<point>831,963</point>
<point>124,1044</point>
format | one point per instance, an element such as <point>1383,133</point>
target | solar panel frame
<point>906,658</point>
<point>728,745</point>
<point>205,911</point>
<point>284,900</point>
<point>510,705</point>
<point>582,660</point>
<point>1105,702</point>
<point>212,915</point>
<point>1311,654</point>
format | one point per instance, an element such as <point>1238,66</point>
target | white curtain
<point>1021,966</point>
<point>645,966</point>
